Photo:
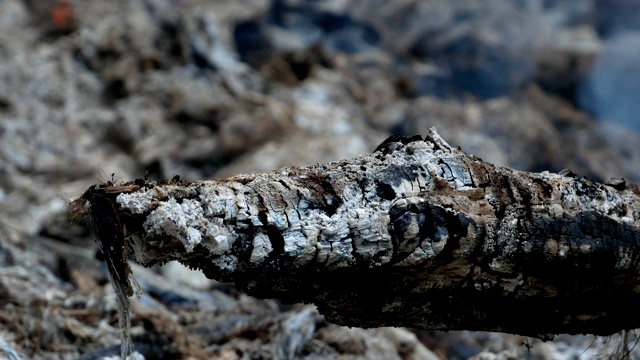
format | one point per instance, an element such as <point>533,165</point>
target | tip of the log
<point>109,232</point>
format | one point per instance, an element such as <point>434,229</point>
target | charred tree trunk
<point>416,234</point>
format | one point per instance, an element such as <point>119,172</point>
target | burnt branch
<point>416,234</point>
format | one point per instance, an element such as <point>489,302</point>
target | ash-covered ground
<point>94,91</point>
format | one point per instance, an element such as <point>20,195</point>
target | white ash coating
<point>178,220</point>
<point>217,213</point>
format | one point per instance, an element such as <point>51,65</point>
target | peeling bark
<point>416,234</point>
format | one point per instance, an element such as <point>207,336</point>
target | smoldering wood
<point>417,234</point>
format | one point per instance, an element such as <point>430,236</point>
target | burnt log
<point>416,234</point>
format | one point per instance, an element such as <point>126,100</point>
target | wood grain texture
<point>416,234</point>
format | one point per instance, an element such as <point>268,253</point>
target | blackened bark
<point>416,234</point>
